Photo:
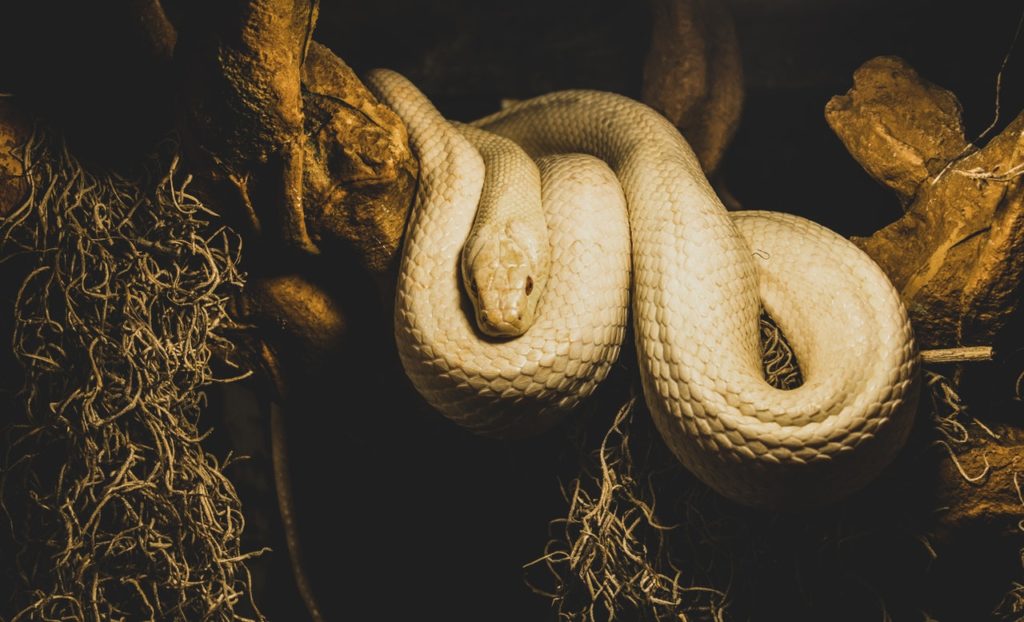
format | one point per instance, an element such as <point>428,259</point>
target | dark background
<point>404,516</point>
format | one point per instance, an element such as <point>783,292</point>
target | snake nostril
<point>529,286</point>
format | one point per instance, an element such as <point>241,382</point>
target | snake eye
<point>529,285</point>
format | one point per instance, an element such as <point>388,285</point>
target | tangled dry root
<point>115,510</point>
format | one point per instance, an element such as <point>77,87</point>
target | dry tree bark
<point>288,133</point>
<point>289,138</point>
<point>360,175</point>
<point>240,63</point>
<point>15,128</point>
<point>303,325</point>
<point>295,147</point>
<point>154,26</point>
<point>693,75</point>
<point>956,253</point>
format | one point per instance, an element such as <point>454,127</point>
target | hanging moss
<point>115,510</point>
<point>611,556</point>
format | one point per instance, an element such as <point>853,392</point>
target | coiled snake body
<point>700,276</point>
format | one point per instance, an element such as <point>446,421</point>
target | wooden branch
<point>693,74</point>
<point>294,145</point>
<point>301,322</point>
<point>156,28</point>
<point>286,506</point>
<point>360,174</point>
<point>971,354</point>
<point>957,254</point>
<point>15,129</point>
<point>900,128</point>
<point>240,64</point>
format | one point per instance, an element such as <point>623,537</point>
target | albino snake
<point>700,276</point>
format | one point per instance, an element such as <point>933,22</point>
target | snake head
<point>503,278</point>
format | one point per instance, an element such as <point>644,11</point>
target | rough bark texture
<point>240,64</point>
<point>955,255</point>
<point>993,500</point>
<point>900,145</point>
<point>297,319</point>
<point>290,138</point>
<point>156,29</point>
<point>15,128</point>
<point>360,174</point>
<point>976,530</point>
<point>693,75</point>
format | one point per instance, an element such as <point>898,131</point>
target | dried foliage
<point>611,556</point>
<point>115,510</point>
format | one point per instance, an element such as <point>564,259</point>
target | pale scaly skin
<point>516,387</point>
<point>507,257</point>
<point>698,286</point>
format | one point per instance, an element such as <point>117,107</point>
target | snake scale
<point>634,198</point>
